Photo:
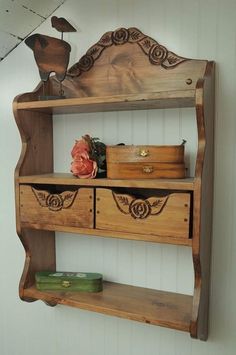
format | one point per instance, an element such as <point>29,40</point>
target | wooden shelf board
<point>166,99</point>
<point>150,306</point>
<point>69,179</point>
<point>110,234</point>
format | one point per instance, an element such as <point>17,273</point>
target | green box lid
<point>68,281</point>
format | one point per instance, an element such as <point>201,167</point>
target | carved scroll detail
<point>157,54</point>
<point>55,202</point>
<point>140,208</point>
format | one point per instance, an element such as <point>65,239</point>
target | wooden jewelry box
<point>145,162</point>
<point>68,281</point>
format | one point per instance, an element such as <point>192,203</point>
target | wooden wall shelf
<point>171,310</point>
<point>154,78</point>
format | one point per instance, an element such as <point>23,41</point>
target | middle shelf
<point>69,179</point>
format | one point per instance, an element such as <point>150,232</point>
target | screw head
<point>189,81</point>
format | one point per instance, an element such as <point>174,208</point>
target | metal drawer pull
<point>143,152</point>
<point>148,169</point>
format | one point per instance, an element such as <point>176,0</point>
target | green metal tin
<point>68,281</point>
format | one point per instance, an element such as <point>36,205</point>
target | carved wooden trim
<point>157,54</point>
<point>55,202</point>
<point>139,208</point>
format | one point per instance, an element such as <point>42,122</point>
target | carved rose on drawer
<point>140,208</point>
<point>55,202</point>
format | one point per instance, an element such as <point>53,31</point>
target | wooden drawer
<point>43,208</point>
<point>145,171</point>
<point>145,153</point>
<point>145,162</point>
<point>161,214</point>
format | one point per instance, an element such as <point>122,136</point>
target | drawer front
<point>145,153</point>
<point>167,215</point>
<point>41,208</point>
<point>145,170</point>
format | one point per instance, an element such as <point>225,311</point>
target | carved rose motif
<point>86,62</point>
<point>157,54</point>
<point>54,202</point>
<point>120,36</point>
<point>140,209</point>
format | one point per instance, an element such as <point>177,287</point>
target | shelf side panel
<point>203,203</point>
<point>39,255</point>
<point>36,157</point>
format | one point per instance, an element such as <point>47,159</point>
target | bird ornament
<point>52,54</point>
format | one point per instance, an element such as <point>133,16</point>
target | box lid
<point>57,276</point>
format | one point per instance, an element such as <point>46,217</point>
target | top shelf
<point>166,99</point>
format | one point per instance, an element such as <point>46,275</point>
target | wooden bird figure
<point>62,25</point>
<point>51,55</point>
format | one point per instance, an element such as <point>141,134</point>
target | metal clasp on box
<point>66,283</point>
<point>148,169</point>
<point>143,152</point>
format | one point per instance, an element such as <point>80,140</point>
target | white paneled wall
<point>144,264</point>
<point>192,28</point>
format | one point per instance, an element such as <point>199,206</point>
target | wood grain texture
<point>166,309</point>
<point>141,170</point>
<point>145,153</point>
<point>69,179</point>
<point>145,162</point>
<point>39,255</point>
<point>36,157</point>
<point>156,53</point>
<point>115,212</point>
<point>123,76</point>
<point>41,207</point>
<point>203,197</point>
<point>125,68</point>
<point>51,55</point>
<point>112,102</point>
<point>174,240</point>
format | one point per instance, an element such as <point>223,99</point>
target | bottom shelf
<point>166,309</point>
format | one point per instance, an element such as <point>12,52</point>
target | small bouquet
<point>89,157</point>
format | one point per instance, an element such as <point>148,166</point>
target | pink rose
<point>83,167</point>
<point>80,147</point>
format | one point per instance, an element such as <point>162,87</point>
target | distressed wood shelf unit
<point>124,70</point>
